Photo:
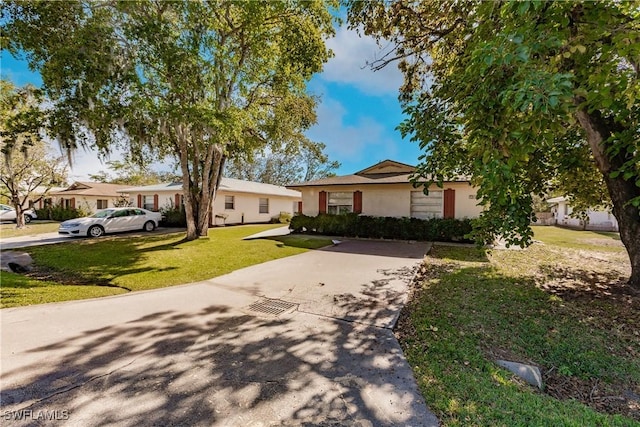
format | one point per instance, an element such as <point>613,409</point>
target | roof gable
<point>387,167</point>
<point>91,189</point>
<point>228,185</point>
<point>79,186</point>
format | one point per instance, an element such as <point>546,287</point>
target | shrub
<point>354,225</point>
<point>282,218</point>
<point>59,213</point>
<point>173,217</point>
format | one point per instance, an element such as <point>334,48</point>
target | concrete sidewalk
<point>303,340</point>
<point>274,232</point>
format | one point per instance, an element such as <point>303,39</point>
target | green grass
<point>575,239</point>
<point>9,229</point>
<point>118,264</point>
<point>473,307</point>
<point>17,290</point>
<point>303,241</point>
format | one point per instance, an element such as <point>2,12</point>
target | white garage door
<point>426,206</point>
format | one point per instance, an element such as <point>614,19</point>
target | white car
<point>111,220</point>
<point>8,213</point>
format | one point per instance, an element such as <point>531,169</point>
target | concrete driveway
<point>298,341</point>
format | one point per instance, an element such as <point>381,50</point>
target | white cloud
<point>349,65</point>
<point>351,142</point>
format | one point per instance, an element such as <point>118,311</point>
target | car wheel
<point>149,226</point>
<point>27,219</point>
<point>95,231</point>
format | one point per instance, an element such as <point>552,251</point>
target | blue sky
<point>357,114</point>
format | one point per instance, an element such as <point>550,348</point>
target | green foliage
<point>354,225</point>
<point>282,218</point>
<point>198,81</point>
<point>128,172</point>
<point>524,98</point>
<point>59,213</point>
<point>284,165</point>
<point>28,169</point>
<point>173,217</point>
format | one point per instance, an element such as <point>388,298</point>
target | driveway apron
<point>298,341</point>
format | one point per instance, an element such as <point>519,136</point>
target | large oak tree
<point>283,165</point>
<point>29,169</point>
<point>524,97</point>
<point>200,80</point>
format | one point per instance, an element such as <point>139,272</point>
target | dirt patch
<point>609,398</point>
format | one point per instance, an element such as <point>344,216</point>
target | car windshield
<point>103,214</point>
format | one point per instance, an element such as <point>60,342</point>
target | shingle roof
<point>166,186</point>
<point>356,179</point>
<point>230,185</point>
<point>399,173</point>
<point>87,188</point>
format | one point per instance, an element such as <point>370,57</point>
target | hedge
<point>354,225</point>
<point>173,217</point>
<point>59,213</point>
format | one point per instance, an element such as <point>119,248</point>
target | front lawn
<point>561,305</point>
<point>8,229</point>
<point>112,265</point>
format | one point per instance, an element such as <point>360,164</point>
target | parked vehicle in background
<point>111,220</point>
<point>8,213</point>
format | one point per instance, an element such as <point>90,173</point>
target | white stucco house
<point>40,197</point>
<point>599,218</point>
<point>237,201</point>
<point>89,196</point>
<point>384,190</point>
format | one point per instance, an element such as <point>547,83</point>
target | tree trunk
<point>621,191</point>
<point>19,212</point>
<point>199,182</point>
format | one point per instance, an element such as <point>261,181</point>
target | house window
<point>66,203</point>
<point>147,202</point>
<point>229,202</point>
<point>426,206</point>
<point>340,203</point>
<point>264,205</point>
<point>102,204</point>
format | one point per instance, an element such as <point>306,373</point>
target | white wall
<point>393,199</point>
<point>598,219</point>
<point>246,206</point>
<point>86,203</point>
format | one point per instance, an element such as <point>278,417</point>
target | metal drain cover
<point>272,307</point>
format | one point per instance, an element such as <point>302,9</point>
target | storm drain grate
<point>273,307</point>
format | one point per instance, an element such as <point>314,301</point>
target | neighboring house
<point>89,196</point>
<point>384,190</point>
<point>237,201</point>
<point>598,219</point>
<point>43,195</point>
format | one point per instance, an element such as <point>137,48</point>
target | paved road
<point>298,341</point>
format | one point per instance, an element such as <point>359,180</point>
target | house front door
<point>449,203</point>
